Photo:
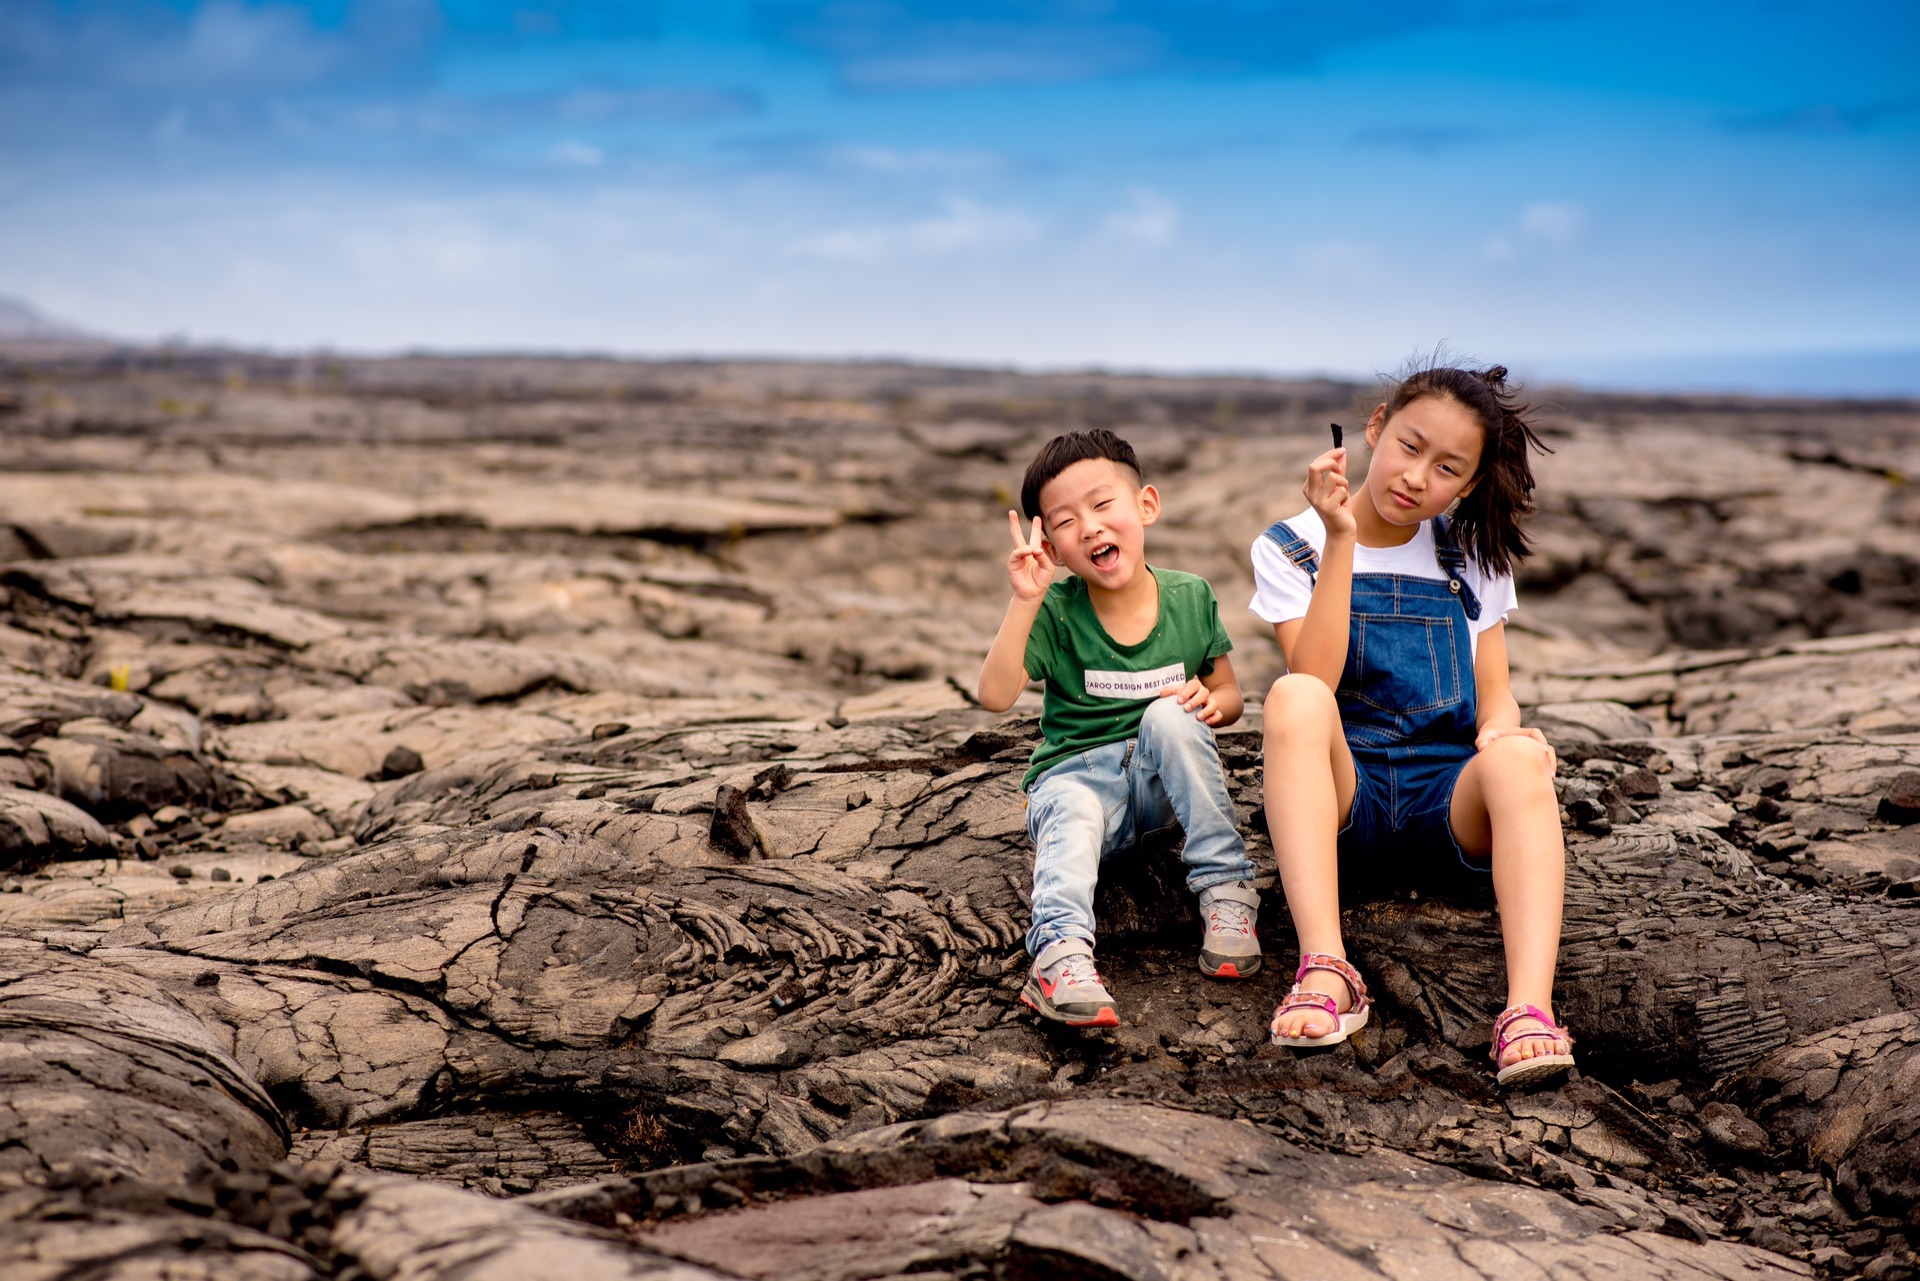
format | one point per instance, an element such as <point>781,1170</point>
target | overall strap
<point>1299,551</point>
<point>1453,563</point>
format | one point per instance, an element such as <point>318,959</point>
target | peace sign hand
<point>1028,566</point>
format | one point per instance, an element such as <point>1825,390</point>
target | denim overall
<point>1407,704</point>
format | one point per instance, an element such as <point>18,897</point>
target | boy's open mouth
<point>1105,555</point>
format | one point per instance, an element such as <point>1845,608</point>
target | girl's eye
<point>1408,446</point>
<point>1103,504</point>
<point>1449,469</point>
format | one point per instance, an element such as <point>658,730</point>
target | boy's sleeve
<point>1218,642</point>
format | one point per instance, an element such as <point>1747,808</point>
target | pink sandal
<point>1540,1066</point>
<point>1345,1025</point>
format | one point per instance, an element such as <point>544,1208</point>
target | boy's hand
<point>1198,699</point>
<point>1326,490</point>
<point>1028,567</point>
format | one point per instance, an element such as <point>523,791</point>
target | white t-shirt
<point>1281,589</point>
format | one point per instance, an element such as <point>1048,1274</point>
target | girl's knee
<point>1520,762</point>
<point>1297,702</point>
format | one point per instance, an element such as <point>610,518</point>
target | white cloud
<point>918,160</point>
<point>1542,226</point>
<point>1148,219</point>
<point>965,227</point>
<point>576,154</point>
<point>226,45</point>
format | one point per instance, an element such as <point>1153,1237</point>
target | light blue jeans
<point>1090,805</point>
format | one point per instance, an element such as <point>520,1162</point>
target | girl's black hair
<point>1487,522</point>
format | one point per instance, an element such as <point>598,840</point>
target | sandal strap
<point>1302,1000</point>
<point>1512,1014</point>
<point>1356,986</point>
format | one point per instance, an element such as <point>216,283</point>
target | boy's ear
<point>1149,504</point>
<point>1053,553</point>
<point>1376,422</point>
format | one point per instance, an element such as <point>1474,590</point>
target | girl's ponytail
<point>1488,522</point>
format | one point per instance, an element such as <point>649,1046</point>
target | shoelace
<point>1077,969</point>
<point>1229,916</point>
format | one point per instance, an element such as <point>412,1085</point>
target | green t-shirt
<point>1097,688</point>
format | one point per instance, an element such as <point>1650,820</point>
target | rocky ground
<point>525,818</point>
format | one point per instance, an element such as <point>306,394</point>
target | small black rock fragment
<point>733,829</point>
<point>1901,801</point>
<point>1728,1128</point>
<point>1638,784</point>
<point>400,762</point>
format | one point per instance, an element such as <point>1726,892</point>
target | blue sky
<point>1608,190</point>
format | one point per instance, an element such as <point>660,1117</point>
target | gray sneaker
<point>1229,949</point>
<point>1064,987</point>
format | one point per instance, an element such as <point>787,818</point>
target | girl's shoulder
<point>1306,526</point>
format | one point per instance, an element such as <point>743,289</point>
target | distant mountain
<point>20,321</point>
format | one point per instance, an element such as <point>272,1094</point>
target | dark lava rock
<point>1729,1129</point>
<point>733,829</point>
<point>1638,784</point>
<point>1591,815</point>
<point>1901,802</point>
<point>400,762</point>
<point>120,777</point>
<point>36,829</point>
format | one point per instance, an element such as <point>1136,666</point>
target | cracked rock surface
<point>491,818</point>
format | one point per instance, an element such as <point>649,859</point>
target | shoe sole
<point>1531,1071</point>
<point>1215,966</point>
<point>1106,1016</point>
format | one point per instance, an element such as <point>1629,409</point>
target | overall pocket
<point>1402,665</point>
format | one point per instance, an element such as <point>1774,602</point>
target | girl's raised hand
<point>1326,490</point>
<point>1028,566</point>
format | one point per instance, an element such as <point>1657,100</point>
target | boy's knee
<point>1071,813</point>
<point>1165,716</point>
<point>1297,702</point>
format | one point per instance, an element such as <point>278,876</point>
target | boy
<point>1135,666</point>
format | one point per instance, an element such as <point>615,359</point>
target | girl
<point>1394,749</point>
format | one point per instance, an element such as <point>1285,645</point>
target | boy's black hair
<point>1064,451</point>
<point>1489,523</point>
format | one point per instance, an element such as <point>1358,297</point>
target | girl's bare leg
<point>1504,803</point>
<point>1308,789</point>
